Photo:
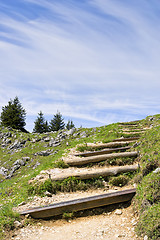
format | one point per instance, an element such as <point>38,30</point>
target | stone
<point>17,224</point>
<point>8,141</point>
<point>151,118</point>
<point>118,212</point>
<point>71,131</point>
<point>44,153</point>
<point>15,145</point>
<point>83,135</point>
<point>48,194</point>
<point>145,237</point>
<point>15,167</point>
<point>3,171</point>
<point>36,165</point>
<point>19,162</point>
<point>156,170</point>
<point>47,139</point>
<point>26,159</point>
<point>120,235</point>
<point>22,203</point>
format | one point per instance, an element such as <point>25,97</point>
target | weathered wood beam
<point>110,150</point>
<point>99,158</point>
<point>81,204</point>
<point>109,144</point>
<point>126,139</point>
<point>95,173</point>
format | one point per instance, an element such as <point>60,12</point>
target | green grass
<point>147,199</point>
<point>70,184</point>
<point>119,181</point>
<point>15,190</point>
<point>149,223</point>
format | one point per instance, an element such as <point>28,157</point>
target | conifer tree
<point>13,115</point>
<point>70,125</point>
<point>57,122</point>
<point>40,125</point>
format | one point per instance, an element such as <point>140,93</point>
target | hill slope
<point>23,157</point>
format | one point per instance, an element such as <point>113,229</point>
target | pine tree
<point>13,115</point>
<point>57,122</point>
<point>70,125</point>
<point>40,125</point>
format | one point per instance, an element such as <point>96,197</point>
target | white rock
<point>120,235</point>
<point>48,194</point>
<point>145,237</point>
<point>118,212</point>
<point>156,170</point>
<point>17,224</point>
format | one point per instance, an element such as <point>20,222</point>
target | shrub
<point>68,215</point>
<point>61,164</point>
<point>119,181</point>
<point>149,166</point>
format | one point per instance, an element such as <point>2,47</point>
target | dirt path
<point>114,222</point>
<point>111,222</point>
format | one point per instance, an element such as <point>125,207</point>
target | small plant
<point>119,181</point>
<point>68,215</point>
<point>40,189</point>
<point>121,161</point>
<point>60,164</point>
<point>151,165</point>
<point>84,147</point>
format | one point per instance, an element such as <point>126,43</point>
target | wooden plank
<point>110,150</point>
<point>138,130</point>
<point>99,158</point>
<point>81,204</point>
<point>109,144</point>
<point>95,173</point>
<point>125,139</point>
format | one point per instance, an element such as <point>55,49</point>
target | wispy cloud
<point>94,60</point>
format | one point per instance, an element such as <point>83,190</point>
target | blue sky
<point>96,61</point>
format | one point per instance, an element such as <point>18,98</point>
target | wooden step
<point>136,130</point>
<point>109,144</point>
<point>110,150</point>
<point>94,159</point>
<point>81,204</point>
<point>130,123</point>
<point>126,139</point>
<point>132,133</point>
<point>86,173</point>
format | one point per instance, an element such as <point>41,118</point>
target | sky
<point>95,61</point>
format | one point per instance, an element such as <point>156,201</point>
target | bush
<point>149,166</point>
<point>119,181</point>
<point>61,164</point>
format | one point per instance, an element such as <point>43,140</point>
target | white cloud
<point>89,60</point>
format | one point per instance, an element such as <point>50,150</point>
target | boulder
<point>3,171</point>
<point>44,153</point>
<point>19,162</point>
<point>71,131</point>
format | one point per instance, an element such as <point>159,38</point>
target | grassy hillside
<point>23,156</point>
